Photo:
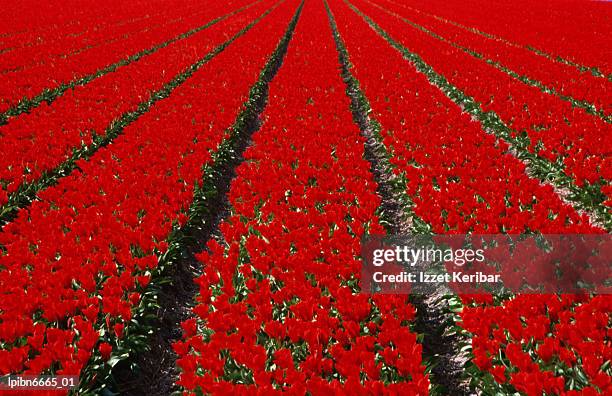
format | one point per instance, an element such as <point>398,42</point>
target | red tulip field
<point>186,188</point>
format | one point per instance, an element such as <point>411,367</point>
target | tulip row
<point>19,88</point>
<point>557,141</point>
<point>279,308</point>
<point>460,180</point>
<point>543,344</point>
<point>74,265</point>
<point>89,34</point>
<point>29,23</point>
<point>545,28</point>
<point>46,142</point>
<point>582,89</point>
<point>443,153</point>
